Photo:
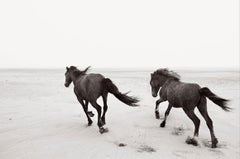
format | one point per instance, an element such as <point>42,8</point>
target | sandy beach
<point>40,118</point>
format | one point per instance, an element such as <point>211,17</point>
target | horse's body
<point>170,91</point>
<point>89,93</point>
<point>184,95</point>
<point>89,87</point>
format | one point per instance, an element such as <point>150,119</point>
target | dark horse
<point>187,96</point>
<point>89,87</point>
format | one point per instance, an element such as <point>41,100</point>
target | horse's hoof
<point>90,122</point>
<point>214,143</point>
<point>103,130</point>
<point>192,141</point>
<point>90,113</point>
<point>162,125</point>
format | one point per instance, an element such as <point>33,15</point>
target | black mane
<point>167,73</point>
<point>76,71</point>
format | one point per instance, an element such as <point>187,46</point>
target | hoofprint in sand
<point>40,118</point>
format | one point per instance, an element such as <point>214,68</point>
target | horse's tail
<point>213,97</point>
<point>112,88</point>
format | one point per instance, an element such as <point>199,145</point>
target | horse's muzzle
<point>66,85</point>
<point>154,94</point>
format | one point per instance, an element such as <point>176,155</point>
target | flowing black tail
<point>213,97</point>
<point>112,88</point>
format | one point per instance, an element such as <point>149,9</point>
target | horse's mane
<point>167,73</point>
<point>77,72</point>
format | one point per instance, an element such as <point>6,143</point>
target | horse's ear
<point>67,68</point>
<point>86,69</point>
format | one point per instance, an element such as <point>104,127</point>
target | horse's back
<point>94,78</point>
<point>90,86</point>
<point>189,88</point>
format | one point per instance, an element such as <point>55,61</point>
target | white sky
<point>125,33</point>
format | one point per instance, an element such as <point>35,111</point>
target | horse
<point>89,87</point>
<point>186,96</point>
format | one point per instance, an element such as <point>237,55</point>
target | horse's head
<point>72,73</point>
<point>159,77</point>
<point>155,84</point>
<point>68,79</point>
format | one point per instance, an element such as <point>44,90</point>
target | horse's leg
<point>166,115</point>
<point>196,121</point>
<point>99,111</point>
<point>156,108</point>
<point>105,107</point>
<point>90,113</point>
<point>202,107</point>
<point>85,108</point>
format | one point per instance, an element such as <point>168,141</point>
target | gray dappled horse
<point>187,96</point>
<point>89,87</point>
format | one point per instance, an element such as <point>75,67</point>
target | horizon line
<point>129,68</point>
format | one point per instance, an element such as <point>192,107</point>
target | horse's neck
<point>170,82</point>
<point>76,77</point>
